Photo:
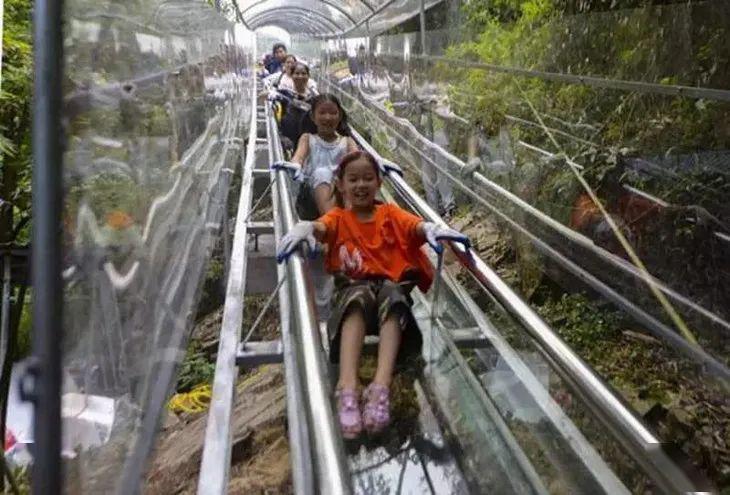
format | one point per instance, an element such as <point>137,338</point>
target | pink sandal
<point>376,412</point>
<point>348,410</point>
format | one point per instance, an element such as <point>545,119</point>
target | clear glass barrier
<point>156,95</point>
<point>601,135</point>
<point>504,408</point>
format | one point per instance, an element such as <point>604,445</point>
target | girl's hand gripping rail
<point>434,233</point>
<point>387,167</point>
<point>301,232</point>
<point>293,169</point>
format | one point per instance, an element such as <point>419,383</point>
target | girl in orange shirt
<point>376,257</point>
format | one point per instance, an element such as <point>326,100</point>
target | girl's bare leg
<point>390,338</point>
<point>351,340</point>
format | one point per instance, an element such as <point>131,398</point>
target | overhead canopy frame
<point>300,22</point>
<point>335,5</point>
<point>335,17</point>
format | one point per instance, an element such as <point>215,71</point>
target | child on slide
<point>376,257</point>
<point>325,141</point>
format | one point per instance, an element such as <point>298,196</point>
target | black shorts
<point>305,204</point>
<point>378,299</point>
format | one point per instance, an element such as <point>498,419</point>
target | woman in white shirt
<point>286,82</point>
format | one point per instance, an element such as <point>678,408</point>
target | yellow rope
<point>198,399</point>
<point>195,401</point>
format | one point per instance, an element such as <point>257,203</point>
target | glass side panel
<point>155,93</point>
<point>396,13</point>
<point>509,421</point>
<point>600,135</point>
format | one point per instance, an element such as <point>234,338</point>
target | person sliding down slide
<point>325,141</point>
<point>376,257</point>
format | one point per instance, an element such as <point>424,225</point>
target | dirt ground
<point>259,451</point>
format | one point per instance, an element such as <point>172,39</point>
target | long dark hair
<point>308,125</point>
<point>346,160</point>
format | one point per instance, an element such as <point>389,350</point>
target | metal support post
<point>45,370</point>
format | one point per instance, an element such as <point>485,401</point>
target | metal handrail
<point>216,458</point>
<point>332,475</point>
<point>299,434</point>
<point>584,451</point>
<point>641,444</point>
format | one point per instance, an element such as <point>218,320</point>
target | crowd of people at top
<point>372,250</point>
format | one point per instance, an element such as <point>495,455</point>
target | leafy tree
<point>15,166</point>
<point>15,122</point>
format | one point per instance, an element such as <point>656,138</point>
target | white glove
<point>301,232</point>
<point>294,169</point>
<point>474,164</point>
<point>435,233</point>
<point>273,95</point>
<point>389,166</point>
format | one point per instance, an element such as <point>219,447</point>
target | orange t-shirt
<point>386,247</point>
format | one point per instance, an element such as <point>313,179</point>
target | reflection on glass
<point>155,92</point>
<point>555,106</point>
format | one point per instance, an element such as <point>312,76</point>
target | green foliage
<point>213,287</point>
<point>23,338</point>
<point>21,476</point>
<point>15,115</point>
<point>584,326</point>
<point>195,370</point>
<point>640,44</point>
<point>109,192</point>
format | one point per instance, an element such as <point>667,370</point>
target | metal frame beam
<point>216,457</point>
<point>288,26</point>
<point>326,2</point>
<point>375,12</point>
<point>300,27</point>
<point>311,14</point>
<point>255,20</point>
<point>367,4</point>
<point>299,433</point>
<point>330,465</point>
<point>240,16</point>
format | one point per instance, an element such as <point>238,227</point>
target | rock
<point>206,331</point>
<point>268,472</point>
<point>171,421</point>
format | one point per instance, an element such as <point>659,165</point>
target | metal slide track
<point>461,442</point>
